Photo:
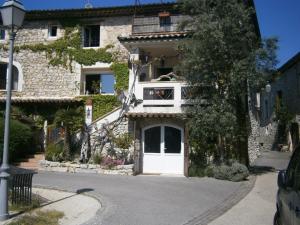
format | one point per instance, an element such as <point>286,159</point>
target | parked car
<point>288,196</point>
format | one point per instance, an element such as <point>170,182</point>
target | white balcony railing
<point>164,97</point>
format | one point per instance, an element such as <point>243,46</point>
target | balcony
<point>156,24</point>
<point>160,97</point>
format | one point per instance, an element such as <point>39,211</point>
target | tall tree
<point>224,58</point>
<point>71,119</point>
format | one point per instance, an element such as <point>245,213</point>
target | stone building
<point>145,37</point>
<point>283,94</point>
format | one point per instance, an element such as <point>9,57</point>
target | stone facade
<point>285,91</point>
<point>39,79</point>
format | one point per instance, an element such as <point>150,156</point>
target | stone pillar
<point>137,149</point>
<point>186,151</point>
<point>89,112</point>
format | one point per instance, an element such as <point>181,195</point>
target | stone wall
<point>38,78</point>
<point>253,139</point>
<point>84,168</point>
<point>101,142</point>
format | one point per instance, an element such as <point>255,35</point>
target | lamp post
<point>13,13</point>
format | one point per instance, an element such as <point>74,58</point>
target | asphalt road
<point>148,200</point>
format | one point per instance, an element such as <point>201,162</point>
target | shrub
<point>110,163</point>
<point>235,172</point>
<point>124,141</point>
<point>196,171</point>
<point>54,152</point>
<point>20,140</point>
<point>97,158</point>
<point>40,217</point>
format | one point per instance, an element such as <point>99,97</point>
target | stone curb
<point>102,205</point>
<point>215,212</point>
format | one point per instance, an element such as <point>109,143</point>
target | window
<point>172,140</point>
<point>165,21</point>
<point>152,140</point>
<point>52,31</point>
<point>99,84</point>
<point>15,77</point>
<point>2,34</point>
<point>91,36</point>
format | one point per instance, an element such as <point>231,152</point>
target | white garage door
<point>163,150</point>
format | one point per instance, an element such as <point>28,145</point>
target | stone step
<point>31,162</point>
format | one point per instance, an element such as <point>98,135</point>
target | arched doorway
<point>163,149</point>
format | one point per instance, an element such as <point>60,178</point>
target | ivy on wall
<point>102,104</point>
<point>121,72</point>
<point>64,51</point>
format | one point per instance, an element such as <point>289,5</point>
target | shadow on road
<point>260,170</point>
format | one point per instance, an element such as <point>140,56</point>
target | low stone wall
<point>45,165</point>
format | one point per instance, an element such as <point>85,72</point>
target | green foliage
<point>97,158</point>
<point>54,152</point>
<point>121,72</point>
<point>91,56</point>
<point>35,203</point>
<point>235,172</point>
<point>65,50</point>
<point>73,118</point>
<point>39,218</point>
<point>196,171</point>
<point>123,141</point>
<point>20,141</point>
<point>285,119</point>
<point>222,59</point>
<point>102,104</point>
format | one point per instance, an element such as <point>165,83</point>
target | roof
<point>129,10</point>
<point>291,62</point>
<point>40,100</point>
<point>154,36</point>
<point>153,115</point>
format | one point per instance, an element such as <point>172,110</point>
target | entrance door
<point>163,150</point>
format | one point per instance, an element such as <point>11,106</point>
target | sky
<point>277,18</point>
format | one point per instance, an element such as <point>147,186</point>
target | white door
<point>163,150</point>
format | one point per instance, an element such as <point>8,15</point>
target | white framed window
<point>91,36</point>
<point>53,31</point>
<point>2,34</point>
<point>103,83</point>
<point>3,75</point>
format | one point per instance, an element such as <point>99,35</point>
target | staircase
<point>31,162</point>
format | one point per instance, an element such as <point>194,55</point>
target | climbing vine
<point>102,104</point>
<point>67,49</point>
<point>121,72</point>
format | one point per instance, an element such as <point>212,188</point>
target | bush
<point>196,171</point>
<point>20,140</point>
<point>124,141</point>
<point>110,163</point>
<point>39,217</point>
<point>97,158</point>
<point>235,172</point>
<point>54,152</point>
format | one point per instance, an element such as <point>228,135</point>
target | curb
<point>217,211</point>
<point>102,205</point>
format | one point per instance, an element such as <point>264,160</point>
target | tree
<point>71,119</point>
<point>223,59</point>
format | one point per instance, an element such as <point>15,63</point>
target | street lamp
<point>13,13</point>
